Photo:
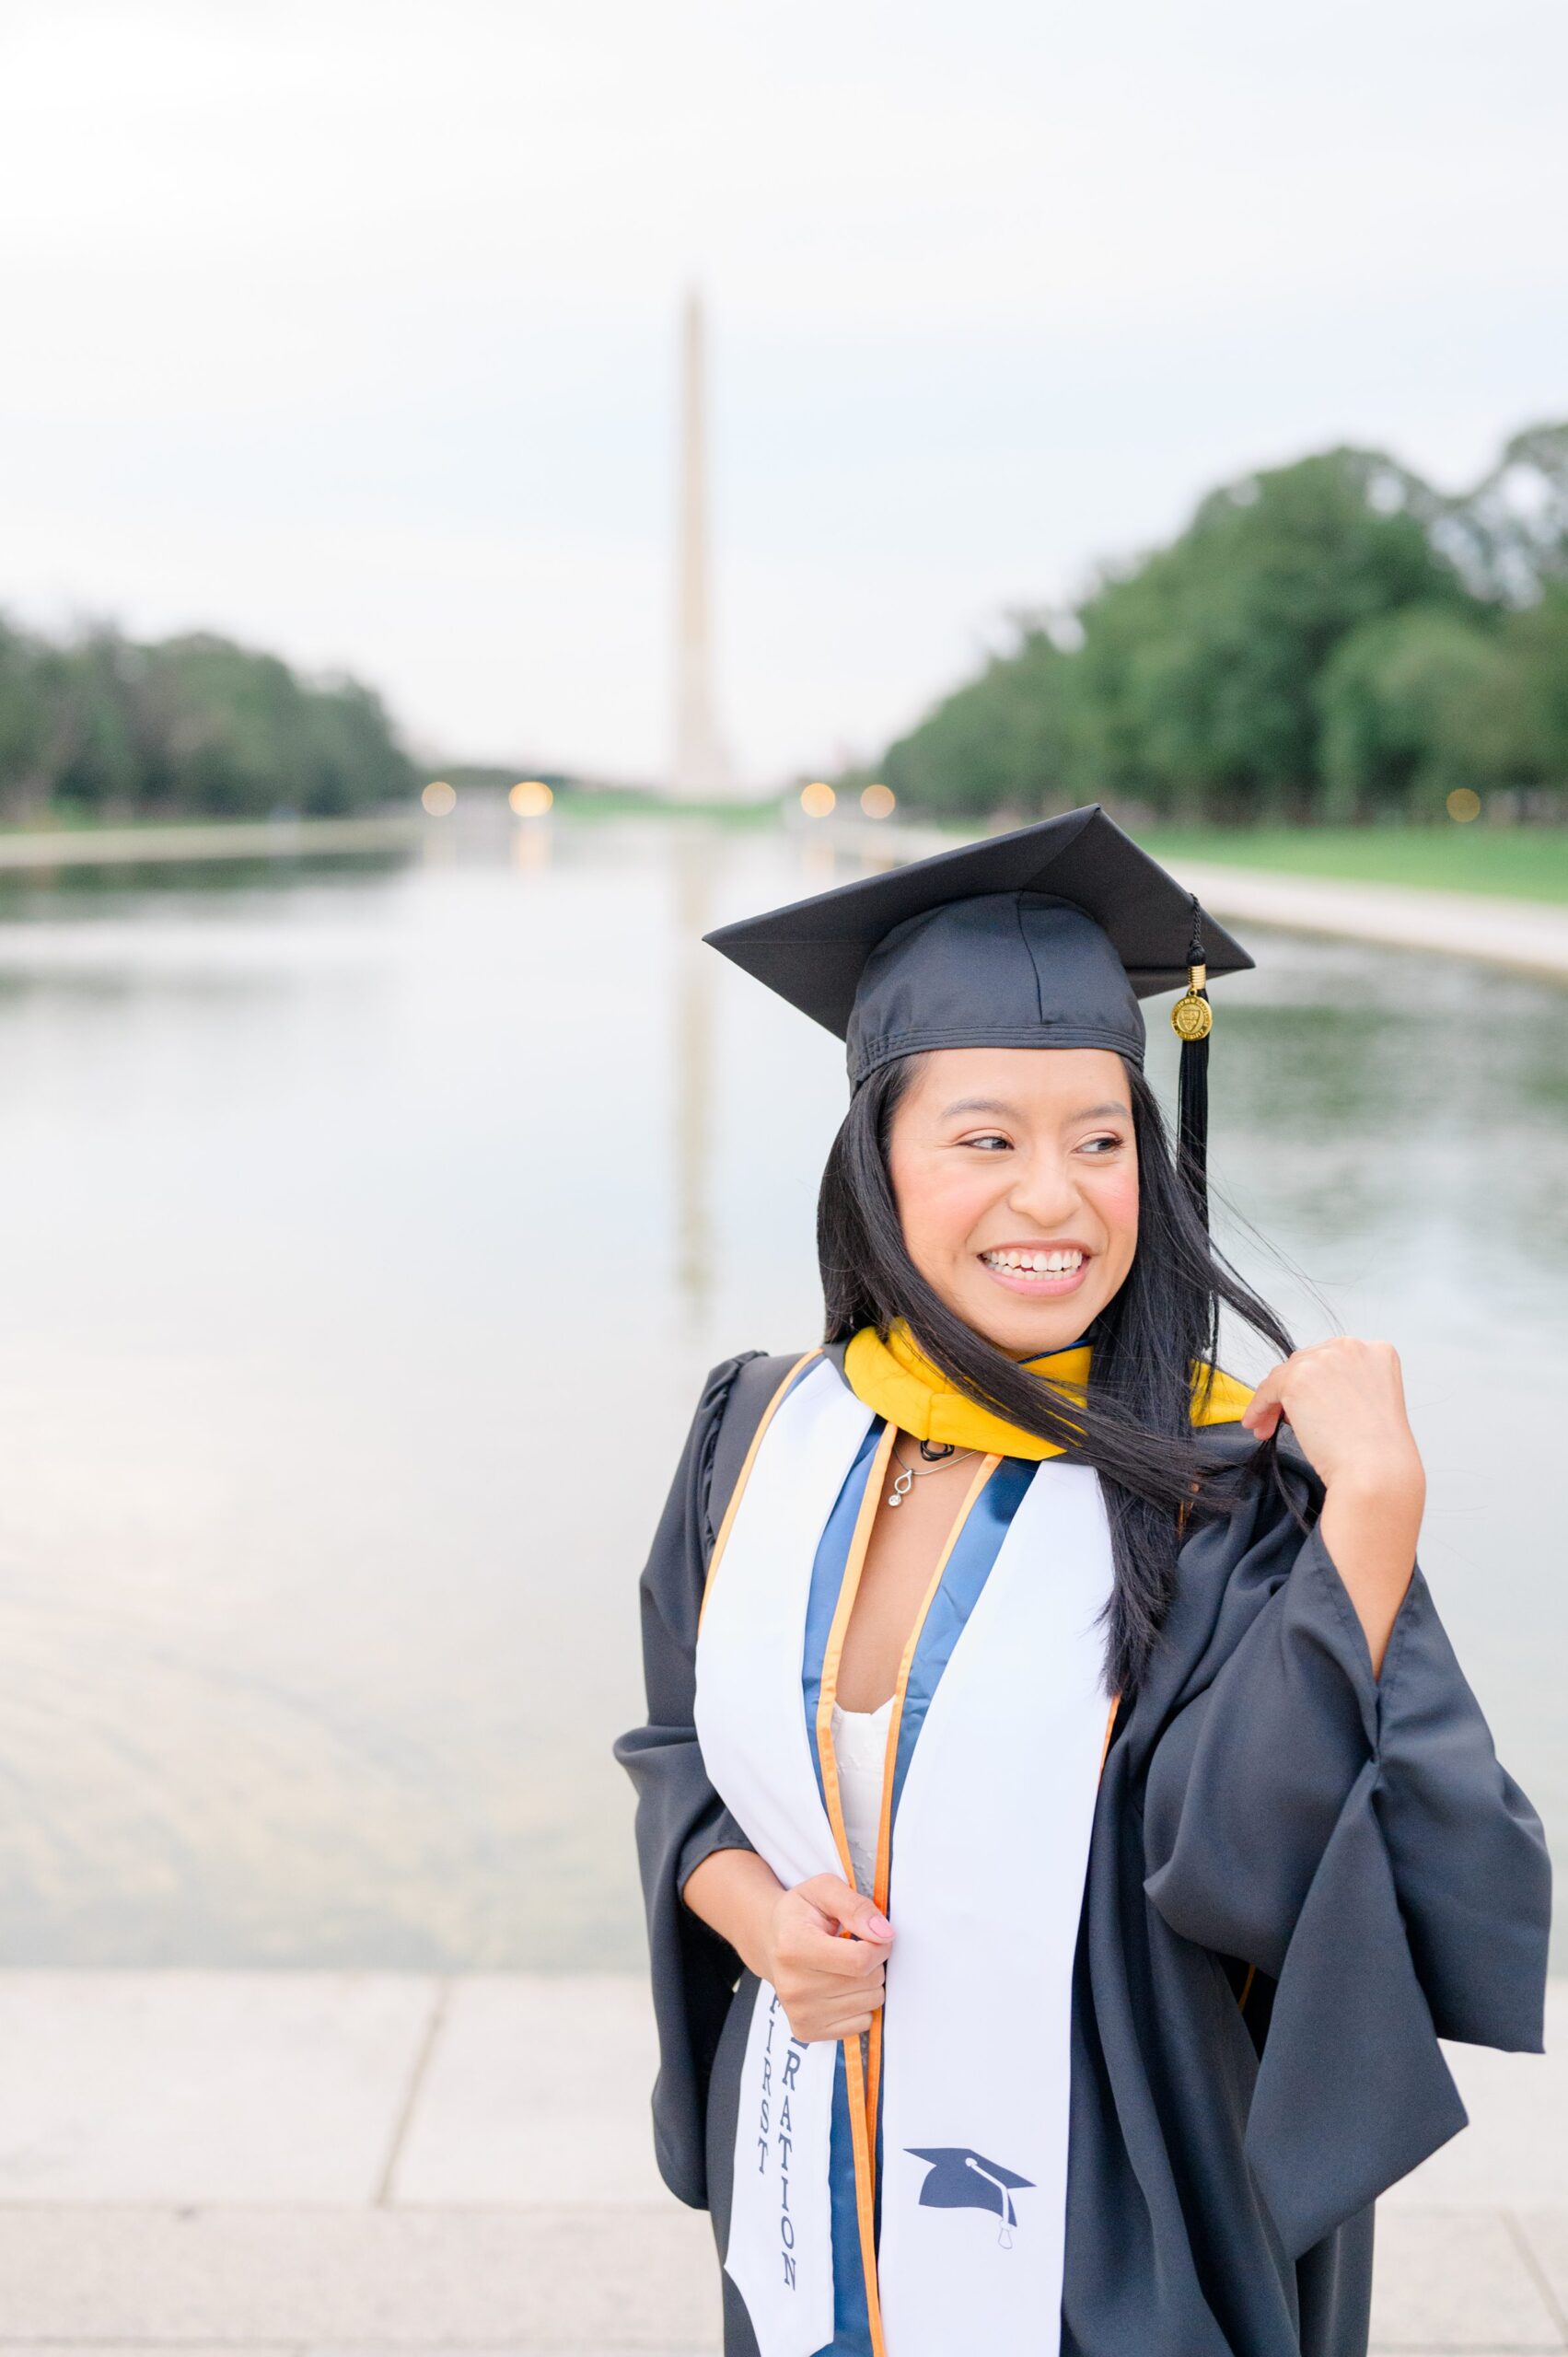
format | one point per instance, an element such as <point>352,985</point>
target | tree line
<point>100,727</point>
<point>1331,641</point>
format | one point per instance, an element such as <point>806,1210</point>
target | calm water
<point>364,1239</point>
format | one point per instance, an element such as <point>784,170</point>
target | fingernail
<point>878,1926</point>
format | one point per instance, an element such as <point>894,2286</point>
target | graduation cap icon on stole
<point>958,2178</point>
<point>1045,937</point>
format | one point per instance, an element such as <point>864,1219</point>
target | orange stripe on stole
<point>859,2140</point>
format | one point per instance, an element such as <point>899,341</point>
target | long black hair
<point>1134,1425</point>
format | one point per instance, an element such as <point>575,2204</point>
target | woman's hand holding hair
<point>828,1985</point>
<point>1345,1402</point>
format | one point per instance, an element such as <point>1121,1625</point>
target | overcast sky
<point>350,328</point>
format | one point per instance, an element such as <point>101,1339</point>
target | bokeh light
<point>878,801</point>
<point>530,797</point>
<point>439,797</point>
<point>817,799</point>
<point>1464,804</point>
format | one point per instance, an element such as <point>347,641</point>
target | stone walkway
<point>143,845</point>
<point>1529,934</point>
<point>344,2164</point>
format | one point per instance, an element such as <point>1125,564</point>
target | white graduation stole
<point>991,1847</point>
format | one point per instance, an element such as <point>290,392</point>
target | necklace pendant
<point>900,1488</point>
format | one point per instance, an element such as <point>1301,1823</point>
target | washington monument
<point>702,768</point>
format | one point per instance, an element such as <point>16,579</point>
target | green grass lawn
<point>631,802</point>
<point>62,819</point>
<point>1520,863</point>
<point>1516,862</point>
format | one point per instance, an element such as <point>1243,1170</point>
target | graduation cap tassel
<point>1192,1019</point>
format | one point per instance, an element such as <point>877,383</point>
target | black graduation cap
<point>1047,937</point>
<point>960,2178</point>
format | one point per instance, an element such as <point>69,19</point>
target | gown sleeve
<point>1355,1839</point>
<point>679,1818</point>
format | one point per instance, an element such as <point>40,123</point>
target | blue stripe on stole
<point>827,1580</point>
<point>968,1567</point>
<point>967,1570</point>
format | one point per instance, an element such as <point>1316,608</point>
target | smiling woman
<point>1065,1830</point>
<point>967,1169</point>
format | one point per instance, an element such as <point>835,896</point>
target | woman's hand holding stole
<point>822,1946</point>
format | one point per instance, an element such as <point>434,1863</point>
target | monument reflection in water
<point>366,1239</point>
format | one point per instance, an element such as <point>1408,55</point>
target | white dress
<point>860,1741</point>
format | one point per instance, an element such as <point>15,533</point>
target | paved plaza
<point>1530,936</point>
<point>340,2164</point>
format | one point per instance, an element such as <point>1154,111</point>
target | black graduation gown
<point>1300,1877</point>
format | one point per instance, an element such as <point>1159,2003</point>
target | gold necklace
<point>910,1474</point>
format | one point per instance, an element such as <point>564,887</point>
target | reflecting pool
<point>365,1235</point>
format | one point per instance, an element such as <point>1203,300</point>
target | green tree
<point>1197,687</point>
<point>351,755</point>
<point>193,723</point>
<point>1001,742</point>
<point>225,728</point>
<point>238,734</point>
<point>1537,637</point>
<point>1510,534</point>
<point>23,721</point>
<point>1413,705</point>
<point>89,691</point>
